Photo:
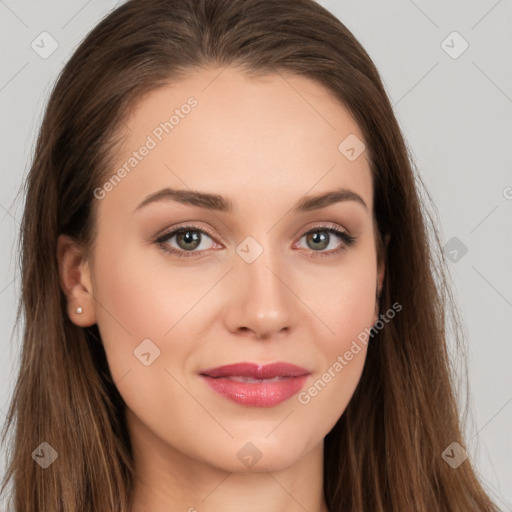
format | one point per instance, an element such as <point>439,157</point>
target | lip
<point>256,385</point>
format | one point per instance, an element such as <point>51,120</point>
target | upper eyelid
<point>173,231</point>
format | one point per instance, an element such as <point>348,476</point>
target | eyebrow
<point>221,204</point>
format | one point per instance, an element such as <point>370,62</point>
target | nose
<point>262,303</point>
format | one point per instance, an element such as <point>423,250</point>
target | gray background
<point>455,114</point>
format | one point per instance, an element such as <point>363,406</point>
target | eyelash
<point>348,241</point>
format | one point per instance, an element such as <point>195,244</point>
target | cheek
<point>345,304</point>
<point>143,319</point>
<point>349,313</point>
<point>134,302</point>
<point>343,298</point>
<point>140,297</point>
<point>354,310</point>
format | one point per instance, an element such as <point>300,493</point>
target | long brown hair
<point>385,452</point>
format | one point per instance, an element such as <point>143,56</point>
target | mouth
<point>256,385</point>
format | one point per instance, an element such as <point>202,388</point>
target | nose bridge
<point>261,263</point>
<point>263,301</point>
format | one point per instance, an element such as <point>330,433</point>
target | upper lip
<point>256,371</point>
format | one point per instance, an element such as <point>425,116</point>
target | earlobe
<point>75,282</point>
<point>81,309</point>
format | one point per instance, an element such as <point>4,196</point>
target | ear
<point>75,281</point>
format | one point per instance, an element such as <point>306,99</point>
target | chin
<point>274,462</point>
<point>259,455</point>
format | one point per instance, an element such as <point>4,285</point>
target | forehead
<point>222,131</point>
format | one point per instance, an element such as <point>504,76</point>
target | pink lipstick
<point>256,385</point>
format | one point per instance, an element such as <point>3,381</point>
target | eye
<point>191,240</point>
<point>321,237</point>
<point>188,239</point>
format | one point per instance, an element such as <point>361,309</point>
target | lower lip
<point>257,394</point>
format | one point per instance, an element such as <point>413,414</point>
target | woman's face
<point>246,284</point>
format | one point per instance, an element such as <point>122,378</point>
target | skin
<point>264,145</point>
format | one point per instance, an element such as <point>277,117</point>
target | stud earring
<point>79,310</point>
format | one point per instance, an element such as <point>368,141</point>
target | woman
<point>225,248</point>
